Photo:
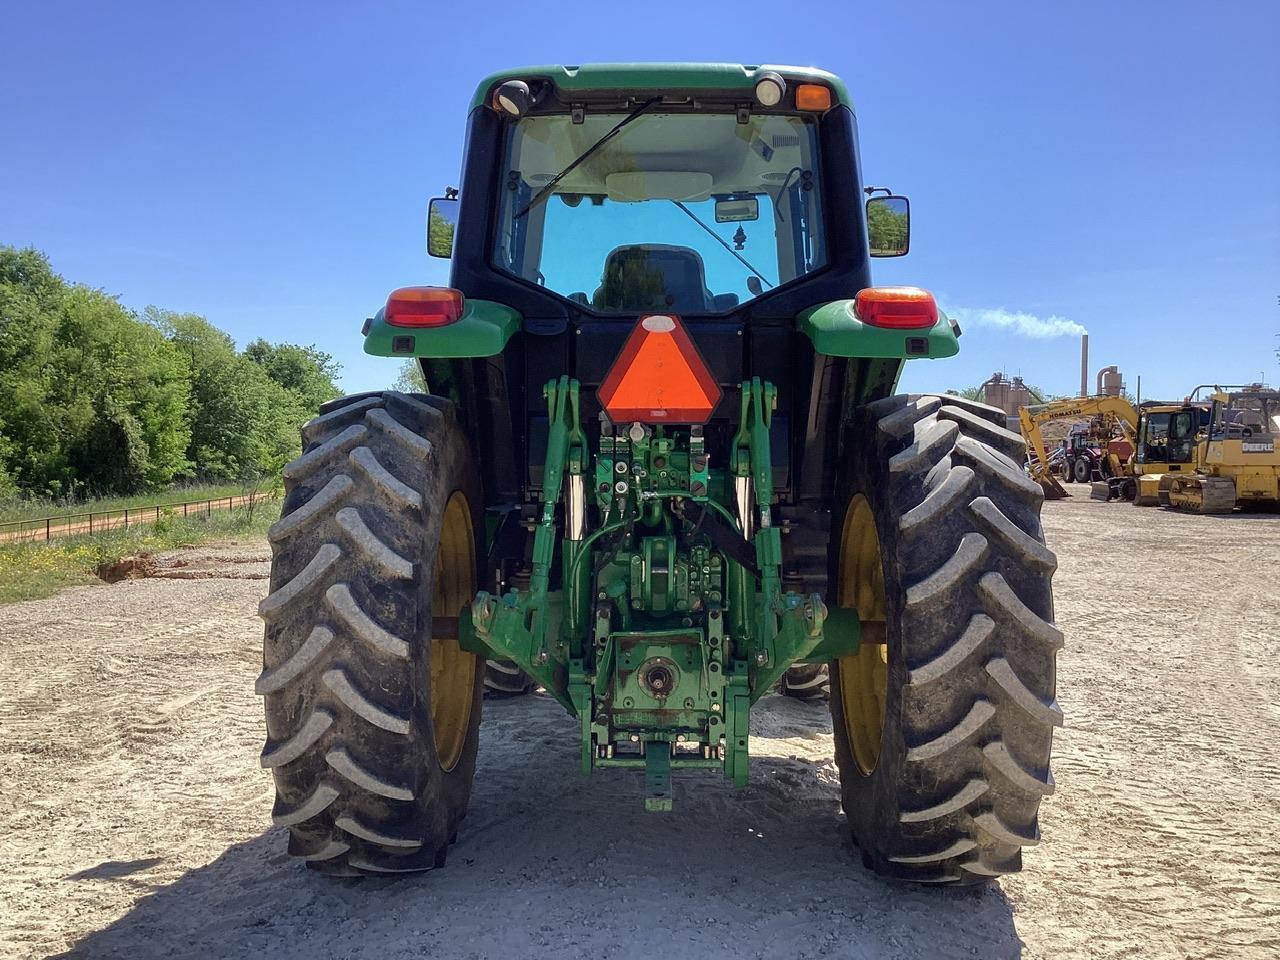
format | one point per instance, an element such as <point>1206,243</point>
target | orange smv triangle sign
<point>659,377</point>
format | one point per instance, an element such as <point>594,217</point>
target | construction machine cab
<point>1245,414</point>
<point>1167,434</point>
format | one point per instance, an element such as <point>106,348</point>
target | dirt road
<point>135,821</point>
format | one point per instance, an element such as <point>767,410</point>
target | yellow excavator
<point>1236,462</point>
<point>1102,454</point>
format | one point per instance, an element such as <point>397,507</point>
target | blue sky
<point>1116,165</point>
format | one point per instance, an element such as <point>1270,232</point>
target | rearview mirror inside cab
<point>442,220</point>
<point>736,209</point>
<point>889,226</point>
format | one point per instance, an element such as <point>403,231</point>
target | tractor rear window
<point>692,213</point>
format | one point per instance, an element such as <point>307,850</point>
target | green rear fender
<point>482,331</point>
<point>836,332</point>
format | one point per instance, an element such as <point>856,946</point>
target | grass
<point>39,509</point>
<point>29,571</point>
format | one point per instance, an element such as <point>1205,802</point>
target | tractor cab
<point>723,197</point>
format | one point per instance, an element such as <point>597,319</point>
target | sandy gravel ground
<point>135,818</point>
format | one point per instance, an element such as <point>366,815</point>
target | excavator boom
<point>1031,419</point>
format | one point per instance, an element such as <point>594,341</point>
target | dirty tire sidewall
<point>347,651</point>
<point>970,708</point>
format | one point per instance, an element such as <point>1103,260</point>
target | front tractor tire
<point>373,725</point>
<point>943,730</point>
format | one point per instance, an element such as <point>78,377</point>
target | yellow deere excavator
<point>1086,457</point>
<point>1234,451</point>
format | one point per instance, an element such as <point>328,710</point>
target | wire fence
<point>39,529</point>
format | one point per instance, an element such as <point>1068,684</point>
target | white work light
<point>769,89</point>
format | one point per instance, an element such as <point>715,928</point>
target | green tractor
<point>661,463</point>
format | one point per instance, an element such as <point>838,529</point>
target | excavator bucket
<point>1053,490</point>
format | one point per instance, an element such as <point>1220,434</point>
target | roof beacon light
<point>423,307</point>
<point>513,98</point>
<point>900,308</point>
<point>659,377</point>
<point>769,89</point>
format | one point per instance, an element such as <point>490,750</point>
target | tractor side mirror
<point>442,221</point>
<point>889,226</point>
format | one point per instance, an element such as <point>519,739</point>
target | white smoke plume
<point>1023,324</point>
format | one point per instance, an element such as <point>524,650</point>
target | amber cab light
<point>813,96</point>
<point>423,307</point>
<point>659,377</point>
<point>902,308</point>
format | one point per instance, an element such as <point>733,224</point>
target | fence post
<point>90,523</point>
<point>184,511</point>
<point>126,518</point>
<point>46,529</point>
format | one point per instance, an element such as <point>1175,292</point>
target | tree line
<point>96,399</point>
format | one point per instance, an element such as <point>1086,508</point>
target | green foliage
<point>242,419</point>
<point>440,232</point>
<point>886,230</point>
<point>99,401</point>
<point>410,378</point>
<point>306,371</point>
<point>8,485</point>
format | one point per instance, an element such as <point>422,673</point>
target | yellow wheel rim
<point>864,677</point>
<point>453,671</point>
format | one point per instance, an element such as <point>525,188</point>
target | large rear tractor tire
<point>943,731</point>
<point>372,718</point>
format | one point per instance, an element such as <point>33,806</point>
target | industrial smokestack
<point>1084,365</point>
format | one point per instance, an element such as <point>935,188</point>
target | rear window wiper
<point>550,185</point>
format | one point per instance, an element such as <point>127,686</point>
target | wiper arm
<point>550,185</point>
<point>720,240</point>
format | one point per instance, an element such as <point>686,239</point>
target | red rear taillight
<point>423,307</point>
<point>659,377</point>
<point>902,308</point>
